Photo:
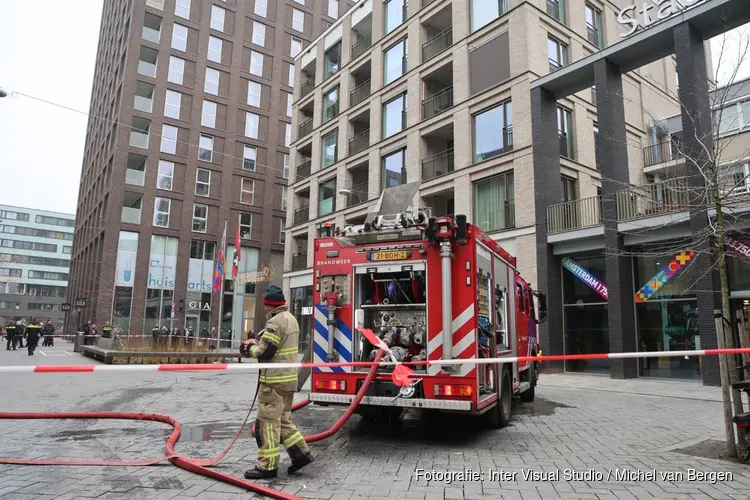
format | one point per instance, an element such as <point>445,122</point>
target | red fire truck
<point>433,288</point>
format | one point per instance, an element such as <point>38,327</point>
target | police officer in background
<point>87,338</point>
<point>107,331</point>
<point>20,333</point>
<point>10,333</point>
<point>277,343</point>
<point>33,332</point>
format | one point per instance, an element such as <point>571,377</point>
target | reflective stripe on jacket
<point>282,330</point>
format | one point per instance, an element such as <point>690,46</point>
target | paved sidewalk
<point>578,423</point>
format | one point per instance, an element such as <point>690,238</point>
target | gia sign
<point>650,13</point>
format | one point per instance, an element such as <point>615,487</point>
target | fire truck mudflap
<point>432,289</point>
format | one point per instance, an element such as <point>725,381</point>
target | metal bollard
<point>78,342</point>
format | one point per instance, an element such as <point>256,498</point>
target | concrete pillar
<point>697,139</point>
<point>613,161</point>
<point>547,192</point>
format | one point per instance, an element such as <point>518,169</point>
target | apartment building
<point>35,250</point>
<point>439,91</point>
<point>190,127</point>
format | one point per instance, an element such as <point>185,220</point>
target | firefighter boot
<point>299,459</point>
<point>257,473</point>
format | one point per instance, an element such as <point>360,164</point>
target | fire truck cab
<point>433,288</point>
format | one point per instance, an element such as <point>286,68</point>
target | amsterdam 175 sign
<point>650,13</point>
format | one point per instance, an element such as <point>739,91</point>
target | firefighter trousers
<point>274,427</point>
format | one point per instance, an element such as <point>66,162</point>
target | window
<point>558,54</point>
<point>211,86</point>
<point>253,93</point>
<point>394,116</point>
<point>594,26</point>
<point>330,104</point>
<point>168,139</point>
<point>202,182</point>
<point>298,20</point>
<point>289,101</point>
<point>327,195</point>
<point>333,8</point>
<point>395,61</point>
<point>568,192</point>
<point>172,104</point>
<point>483,12</point>
<point>208,115</point>
<point>161,212</point>
<point>261,8</point>
<point>179,37</point>
<point>287,134</point>
<point>291,75</point>
<point>44,275</point>
<point>251,125</point>
<point>246,226</point>
<point>165,175</point>
<point>259,33</point>
<point>15,273</point>
<point>249,158</point>
<point>330,149</point>
<point>68,250</point>
<point>285,172</point>
<point>493,203</point>
<point>301,2</point>
<point>282,233</point>
<point>596,144</point>
<point>283,198</point>
<point>296,46</point>
<point>206,148</point>
<point>493,134</point>
<point>214,49</point>
<point>394,169</point>
<point>182,9</point>
<point>176,70</point>
<point>256,63</point>
<point>565,132</point>
<point>247,191</point>
<point>332,60</point>
<point>200,218</point>
<point>733,117</point>
<point>556,9</point>
<point>395,14</point>
<point>217,18</point>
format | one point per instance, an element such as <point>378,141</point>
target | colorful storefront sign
<point>664,275</point>
<point>585,276</point>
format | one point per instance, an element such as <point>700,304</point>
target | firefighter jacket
<point>107,332</point>
<point>155,331</point>
<point>278,343</point>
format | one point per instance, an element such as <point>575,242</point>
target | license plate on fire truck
<point>393,255</point>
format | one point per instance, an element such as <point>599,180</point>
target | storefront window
<point>738,269</point>
<point>585,312</point>
<point>302,301</point>
<point>121,309</point>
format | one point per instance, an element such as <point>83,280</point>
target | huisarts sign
<point>651,12</point>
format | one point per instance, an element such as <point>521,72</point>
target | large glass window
<point>594,26</point>
<point>395,61</point>
<point>182,8</point>
<point>254,90</point>
<point>565,132</point>
<point>327,196</point>
<point>256,63</point>
<point>214,49</point>
<point>556,9</point>
<point>394,115</point>
<point>395,14</point>
<point>206,148</point>
<point>302,309</point>
<point>179,37</point>
<point>121,305</point>
<point>218,16</point>
<point>158,308</point>
<point>208,115</point>
<point>558,54</point>
<point>493,132</point>
<point>202,182</point>
<point>247,191</point>
<point>176,70</point>
<point>249,158</point>
<point>295,47</point>
<point>394,169</point>
<point>168,139</point>
<point>246,226</point>
<point>493,203</point>
<point>165,175</point>
<point>330,149</point>
<point>211,85</point>
<point>161,212</point>
<point>332,60</point>
<point>261,8</point>
<point>298,20</point>
<point>252,122</point>
<point>259,33</point>
<point>331,104</point>
<point>172,104</point>
<point>200,218</point>
<point>483,12</point>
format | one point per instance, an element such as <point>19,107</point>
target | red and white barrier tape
<point>253,366</point>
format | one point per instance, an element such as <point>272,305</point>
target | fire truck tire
<point>527,396</point>
<point>499,416</point>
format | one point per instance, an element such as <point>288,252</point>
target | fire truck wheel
<point>499,416</point>
<point>527,396</point>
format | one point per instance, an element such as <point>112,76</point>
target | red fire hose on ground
<point>196,466</point>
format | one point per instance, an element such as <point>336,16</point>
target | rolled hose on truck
<point>200,467</point>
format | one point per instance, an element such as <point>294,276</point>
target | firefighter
<point>107,331</point>
<point>277,343</point>
<point>10,333</point>
<point>33,331</point>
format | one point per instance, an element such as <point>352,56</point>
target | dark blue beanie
<point>274,296</point>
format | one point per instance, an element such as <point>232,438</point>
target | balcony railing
<point>360,93</point>
<point>576,214</point>
<point>566,147</point>
<point>299,262</point>
<point>150,34</point>
<point>134,177</point>
<point>361,45</point>
<point>358,194</point>
<point>139,139</point>
<point>553,9</point>
<point>437,103</point>
<point>359,142</point>
<point>144,104</point>
<point>147,69</point>
<point>659,198</point>
<point>307,87</point>
<point>131,215</point>
<point>302,215</point>
<point>437,44</point>
<point>305,128</point>
<point>303,170</point>
<point>437,165</point>
<point>663,152</point>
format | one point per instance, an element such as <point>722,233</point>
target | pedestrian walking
<point>49,332</point>
<point>33,332</point>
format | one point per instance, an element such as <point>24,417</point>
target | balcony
<point>302,215</point>
<point>659,198</point>
<point>437,165</point>
<point>139,133</point>
<point>303,170</point>
<point>437,103</point>
<point>131,215</point>
<point>135,177</point>
<point>143,100</point>
<point>305,128</point>
<point>307,87</point>
<point>361,45</point>
<point>360,93</point>
<point>572,215</point>
<point>147,62</point>
<point>357,194</point>
<point>151,31</point>
<point>566,145</point>
<point>437,44</point>
<point>359,142</point>
<point>299,262</point>
<point>663,152</point>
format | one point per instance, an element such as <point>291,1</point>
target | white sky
<point>52,58</point>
